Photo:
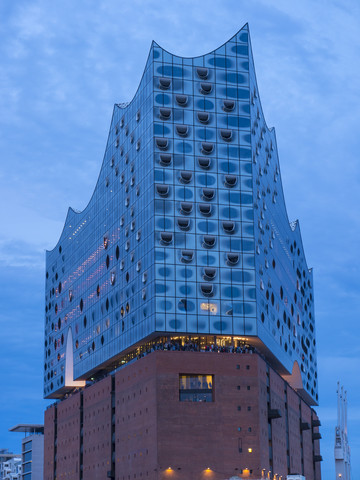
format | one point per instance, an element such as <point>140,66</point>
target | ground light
<point>208,472</point>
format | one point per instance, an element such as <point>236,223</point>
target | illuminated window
<point>212,308</point>
<point>196,388</point>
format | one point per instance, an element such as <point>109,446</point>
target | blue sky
<point>63,66</point>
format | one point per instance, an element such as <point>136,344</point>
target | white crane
<point>342,449</point>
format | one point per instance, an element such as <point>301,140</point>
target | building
<point>342,447</point>
<point>32,451</point>
<point>10,465</point>
<point>182,294</point>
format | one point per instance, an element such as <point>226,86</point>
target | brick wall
<point>142,428</point>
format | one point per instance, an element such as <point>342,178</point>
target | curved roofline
<point>272,131</point>
<point>71,210</point>
<point>204,54</point>
<point>121,106</point>
<point>124,106</point>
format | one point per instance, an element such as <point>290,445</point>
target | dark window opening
<point>165,113</point>
<point>230,181</point>
<point>203,117</point>
<point>187,256</point>
<point>209,273</point>
<point>182,130</point>
<point>185,176</point>
<point>186,208</point>
<point>226,134</point>
<point>207,289</point>
<point>181,100</point>
<point>166,238</point>
<point>182,305</point>
<point>208,193</point>
<point>205,209</point>
<point>165,160</point>
<point>206,88</point>
<point>204,163</point>
<point>162,190</point>
<point>209,241</point>
<point>229,105</point>
<point>202,72</point>
<point>229,227</point>
<point>207,147</point>
<point>184,223</point>
<point>164,83</point>
<point>162,143</point>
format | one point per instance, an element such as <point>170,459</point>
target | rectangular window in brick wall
<point>196,388</point>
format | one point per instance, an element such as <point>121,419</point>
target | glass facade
<point>186,231</point>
